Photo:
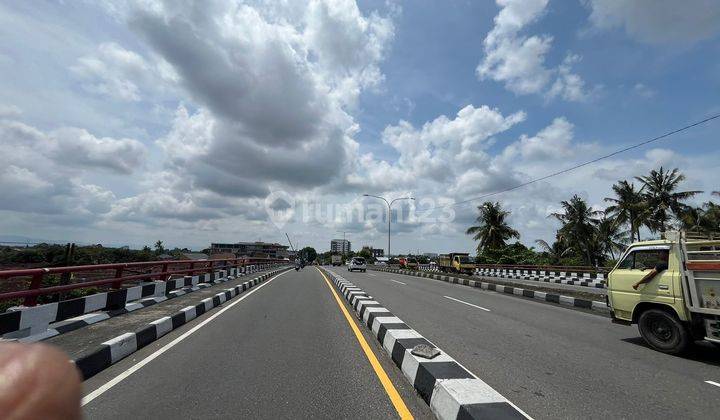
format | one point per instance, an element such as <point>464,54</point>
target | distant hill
<point>26,239</point>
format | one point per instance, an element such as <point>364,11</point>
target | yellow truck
<point>456,262</point>
<point>670,288</point>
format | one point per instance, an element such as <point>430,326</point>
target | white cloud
<point>72,146</point>
<point>9,111</point>
<point>122,74</point>
<point>569,85</point>
<point>270,90</point>
<point>518,61</point>
<point>644,90</point>
<point>438,152</point>
<point>552,142</point>
<point>43,173</point>
<point>659,21</point>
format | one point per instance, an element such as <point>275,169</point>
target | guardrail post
<point>35,284</point>
<point>164,269</point>
<point>191,271</point>
<point>118,274</point>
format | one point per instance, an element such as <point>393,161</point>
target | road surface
<point>284,351</point>
<point>551,361</point>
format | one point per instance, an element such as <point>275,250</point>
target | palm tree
<point>628,207</point>
<point>578,226</point>
<point>662,198</point>
<point>705,219</point>
<point>610,237</point>
<point>555,252</point>
<point>492,229</point>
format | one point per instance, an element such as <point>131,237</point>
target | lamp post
<point>389,206</point>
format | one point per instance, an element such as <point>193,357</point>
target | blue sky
<point>125,122</point>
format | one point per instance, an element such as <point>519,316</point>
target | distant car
<point>357,263</point>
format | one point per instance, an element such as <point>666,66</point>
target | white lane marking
<point>399,282</point>
<point>712,383</point>
<point>116,380</point>
<point>469,304</point>
<point>371,274</point>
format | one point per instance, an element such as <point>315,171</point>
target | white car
<point>357,263</point>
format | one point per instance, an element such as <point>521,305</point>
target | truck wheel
<point>663,331</point>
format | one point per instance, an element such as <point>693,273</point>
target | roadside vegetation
<point>55,255</point>
<point>649,204</point>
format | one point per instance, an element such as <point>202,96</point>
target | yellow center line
<point>395,398</point>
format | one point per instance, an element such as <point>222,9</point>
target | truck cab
<point>456,262</point>
<point>652,283</point>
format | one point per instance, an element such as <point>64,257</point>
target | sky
<point>126,122</point>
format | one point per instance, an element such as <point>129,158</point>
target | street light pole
<point>389,206</point>
<point>344,242</point>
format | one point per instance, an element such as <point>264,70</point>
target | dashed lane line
<point>467,303</point>
<point>398,282</point>
<point>712,383</point>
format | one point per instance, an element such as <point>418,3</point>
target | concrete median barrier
<point>451,391</point>
<point>556,298</point>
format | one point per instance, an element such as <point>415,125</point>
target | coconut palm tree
<point>492,229</point>
<point>705,219</point>
<point>555,252</point>
<point>628,207</point>
<point>662,198</point>
<point>610,236</point>
<point>578,227</point>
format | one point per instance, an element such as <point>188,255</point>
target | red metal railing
<point>167,269</point>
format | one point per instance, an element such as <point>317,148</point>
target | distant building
<point>194,256</point>
<point>378,252</point>
<point>430,255</point>
<point>223,256</point>
<point>251,249</point>
<point>340,246</point>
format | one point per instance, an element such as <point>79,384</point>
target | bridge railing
<point>115,275</point>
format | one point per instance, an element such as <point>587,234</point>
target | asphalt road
<point>550,361</point>
<point>286,351</point>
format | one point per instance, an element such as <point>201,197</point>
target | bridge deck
<point>285,351</point>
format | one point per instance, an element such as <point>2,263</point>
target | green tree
<point>366,253</point>
<point>492,230</point>
<point>308,254</point>
<point>662,198</point>
<point>159,247</point>
<point>628,207</point>
<point>579,222</point>
<point>553,254</point>
<point>705,219</point>
<point>610,236</point>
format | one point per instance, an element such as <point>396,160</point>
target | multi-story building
<point>251,249</point>
<point>340,246</point>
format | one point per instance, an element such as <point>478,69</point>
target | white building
<point>340,246</point>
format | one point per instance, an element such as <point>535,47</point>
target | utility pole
<point>389,207</point>
<point>344,241</point>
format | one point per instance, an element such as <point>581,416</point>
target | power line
<point>589,162</point>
